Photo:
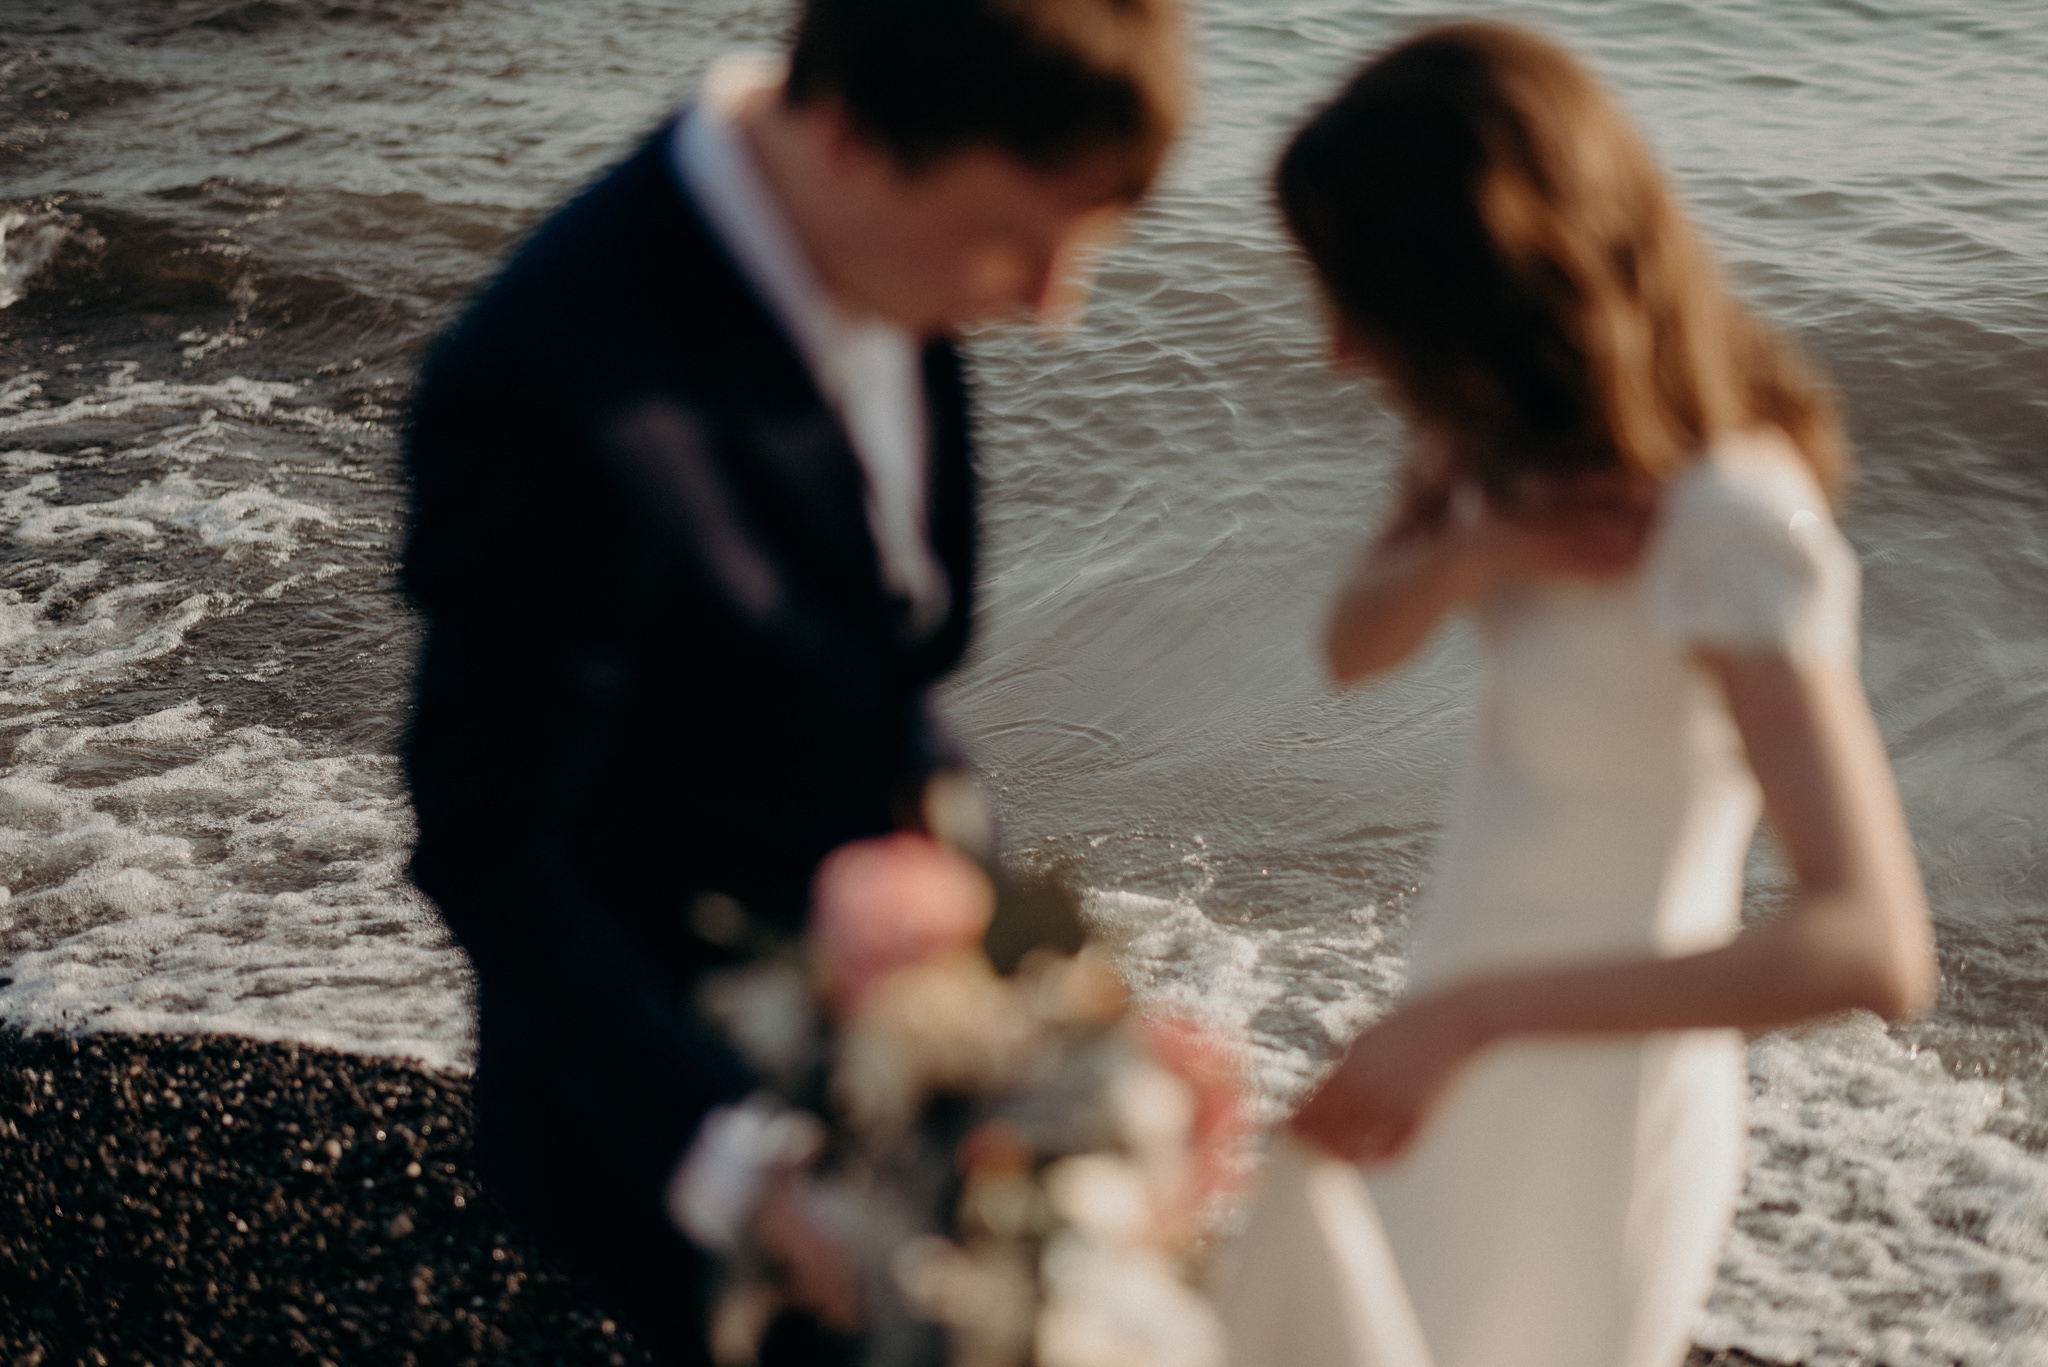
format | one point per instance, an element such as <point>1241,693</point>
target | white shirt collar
<point>867,368</point>
<point>716,164</point>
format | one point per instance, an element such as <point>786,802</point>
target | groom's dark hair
<point>1048,82</point>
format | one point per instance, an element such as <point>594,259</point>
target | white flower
<point>1108,1306</point>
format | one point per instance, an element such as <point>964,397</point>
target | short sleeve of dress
<point>1746,557</point>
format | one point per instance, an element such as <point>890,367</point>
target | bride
<point>1625,480</point>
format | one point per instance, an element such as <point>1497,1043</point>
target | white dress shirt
<point>867,368</point>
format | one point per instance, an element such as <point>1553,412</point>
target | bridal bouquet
<point>1020,1165</point>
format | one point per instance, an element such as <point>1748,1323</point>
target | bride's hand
<point>1372,1105</point>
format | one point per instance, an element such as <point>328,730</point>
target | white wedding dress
<point>1567,1204</point>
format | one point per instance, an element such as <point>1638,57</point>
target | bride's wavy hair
<point>1502,243</point>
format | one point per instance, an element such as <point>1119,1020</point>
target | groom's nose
<point>1024,280</point>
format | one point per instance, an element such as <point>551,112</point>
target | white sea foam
<point>1884,1220</point>
<point>173,872</point>
<point>19,388</point>
<point>76,622</point>
<point>247,886</point>
<point>108,634</point>
<point>233,519</point>
<point>123,397</point>
<point>1257,985</point>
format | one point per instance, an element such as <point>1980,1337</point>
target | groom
<point>693,536</point>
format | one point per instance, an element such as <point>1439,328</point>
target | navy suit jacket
<point>659,662</point>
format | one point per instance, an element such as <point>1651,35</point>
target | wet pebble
<point>218,1199</point>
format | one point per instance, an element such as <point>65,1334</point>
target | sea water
<point>229,227</point>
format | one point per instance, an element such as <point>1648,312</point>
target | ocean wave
<point>29,241</point>
<point>240,882</point>
<point>300,277</point>
<point>171,869</point>
<point>154,510</point>
<point>87,258</point>
<point>38,95</point>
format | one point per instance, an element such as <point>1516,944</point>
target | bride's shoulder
<point>1751,476</point>
<point>1746,554</point>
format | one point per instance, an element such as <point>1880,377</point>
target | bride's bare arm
<point>1858,934</point>
<point>1405,583</point>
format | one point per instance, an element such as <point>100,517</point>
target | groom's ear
<point>849,150</point>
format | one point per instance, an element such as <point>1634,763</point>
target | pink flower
<point>888,903</point>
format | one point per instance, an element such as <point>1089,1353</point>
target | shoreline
<point>186,1199</point>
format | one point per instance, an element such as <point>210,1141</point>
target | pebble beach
<point>183,1200</point>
